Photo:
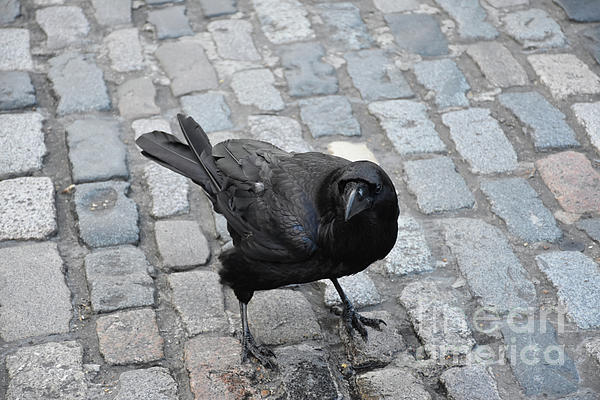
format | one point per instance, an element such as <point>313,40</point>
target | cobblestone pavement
<point>485,112</point>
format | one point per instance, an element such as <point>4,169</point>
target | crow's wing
<point>268,198</point>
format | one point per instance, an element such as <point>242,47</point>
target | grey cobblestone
<point>234,40</point>
<point>306,74</point>
<point>181,244</point>
<point>283,21</point>
<point>480,140</point>
<point>119,277</point>
<point>577,279</point>
<point>492,270</point>
<point>170,22</point>
<point>519,206</point>
<point>59,34</point>
<point>351,151</point>
<point>96,151</point>
<point>581,11</point>
<point>437,185</point>
<point>393,383</point>
<point>125,50</point>
<point>395,6</point>
<point>445,79</point>
<point>9,11</point>
<point>31,280</point>
<point>497,64</point>
<point>198,298</point>
<point>46,371</point>
<point>591,226</point>
<point>27,209</point>
<point>190,73</point>
<point>564,74</point>
<point>168,190</point>
<point>534,29</point>
<point>85,94</point>
<point>472,382</point>
<point>418,33</point>
<point>154,383</point>
<point>106,216</point>
<point>407,126</point>
<point>283,132</point>
<point>375,76</point>
<point>588,115</point>
<point>216,8</point>
<point>359,288</point>
<point>593,348</point>
<point>112,12</point>
<point>136,98</point>
<point>209,109</point>
<point>329,115</point>
<point>16,52</point>
<point>346,30</point>
<point>255,87</point>
<point>543,368</point>
<point>411,253</point>
<point>548,126</point>
<point>471,18</point>
<point>22,143</point>
<point>16,90</point>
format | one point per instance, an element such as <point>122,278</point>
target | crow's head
<point>364,186</point>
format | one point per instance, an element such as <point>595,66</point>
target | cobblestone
<point>346,30</point>
<point>418,33</point>
<point>106,216</point>
<point>181,244</point>
<point>96,151</point>
<point>119,277</point>
<point>480,140</point>
<point>217,8</point>
<point>147,384</point>
<point>534,29</point>
<point>47,371</point>
<point>593,348</point>
<point>493,272</point>
<point>15,49</point>
<point>471,18</point>
<point>190,73</point>
<point>395,6</point>
<point>27,209</point>
<point>112,12</point>
<point>129,337</point>
<point>198,298</point>
<point>445,79</point>
<point>548,126</point>
<point>577,279</point>
<point>591,226</point>
<point>375,76</point>
<point>564,74</point>
<point>170,22</point>
<point>437,185</point>
<point>581,11</point>
<point>329,115</point>
<point>283,21</point>
<point>442,328</point>
<point>519,206</point>
<point>22,141</point>
<point>295,320</point>
<point>539,363</point>
<point>9,11</point>
<point>572,180</point>
<point>136,98</point>
<point>33,293</point>
<point>16,90</point>
<point>125,50</point>
<point>234,40</point>
<point>587,115</point>
<point>351,151</point>
<point>407,126</point>
<point>255,87</point>
<point>88,93</point>
<point>393,383</point>
<point>168,190</point>
<point>209,109</point>
<point>497,64</point>
<point>411,253</point>
<point>359,288</point>
<point>306,73</point>
<point>283,132</point>
<point>472,382</point>
<point>60,34</point>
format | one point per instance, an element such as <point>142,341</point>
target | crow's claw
<point>263,354</point>
<point>354,321</point>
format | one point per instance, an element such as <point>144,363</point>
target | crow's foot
<point>354,321</point>
<point>263,354</point>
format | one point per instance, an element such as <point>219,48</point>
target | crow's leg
<point>262,353</point>
<point>353,319</point>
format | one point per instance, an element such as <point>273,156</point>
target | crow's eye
<point>378,188</point>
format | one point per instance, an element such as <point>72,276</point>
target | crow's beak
<point>356,199</point>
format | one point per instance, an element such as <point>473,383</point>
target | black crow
<point>293,217</point>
